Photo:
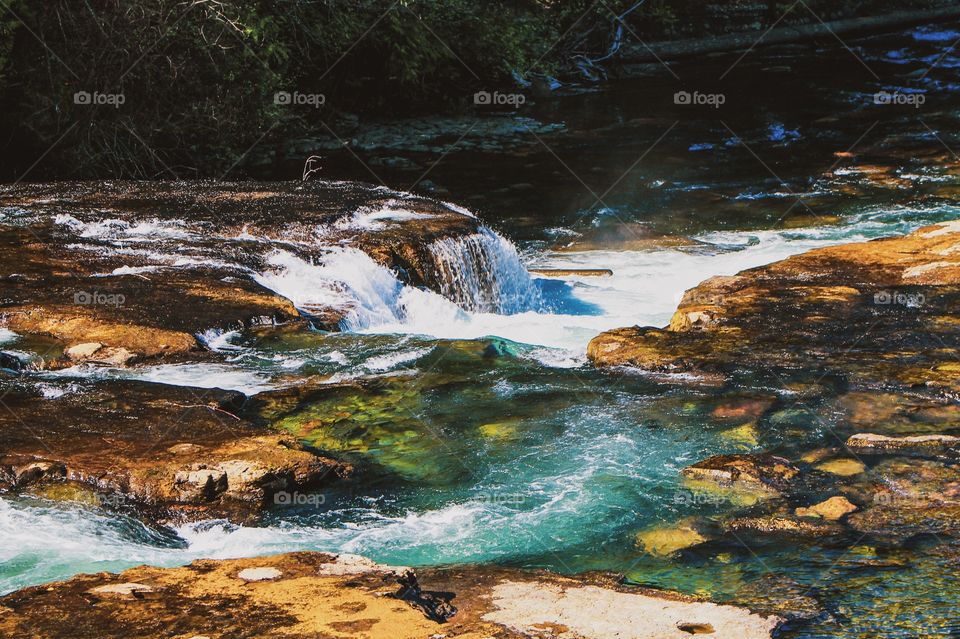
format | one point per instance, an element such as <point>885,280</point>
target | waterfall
<point>479,273</point>
<point>482,272</point>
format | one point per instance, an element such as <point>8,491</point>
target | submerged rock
<point>903,498</point>
<point>305,595</point>
<point>842,467</point>
<point>780,595</point>
<point>666,540</point>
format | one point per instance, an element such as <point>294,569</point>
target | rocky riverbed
<point>863,329</point>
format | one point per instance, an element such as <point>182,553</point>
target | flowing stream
<point>494,441</point>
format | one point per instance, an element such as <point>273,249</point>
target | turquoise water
<point>487,438</point>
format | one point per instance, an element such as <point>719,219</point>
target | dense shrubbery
<point>198,77</point>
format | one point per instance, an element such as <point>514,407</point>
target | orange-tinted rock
<point>309,595</point>
<point>872,312</point>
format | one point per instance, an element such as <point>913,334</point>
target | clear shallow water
<point>488,439</point>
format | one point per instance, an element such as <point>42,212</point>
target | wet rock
<point>175,452</point>
<point>805,315</point>
<point>754,472</point>
<point>929,444</point>
<point>207,598</point>
<point>11,362</point>
<point>832,509</point>
<point>780,595</point>
<point>783,524</point>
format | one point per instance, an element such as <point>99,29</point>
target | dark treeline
<point>164,88</point>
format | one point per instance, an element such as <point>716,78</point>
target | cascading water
<point>482,272</point>
<point>479,273</point>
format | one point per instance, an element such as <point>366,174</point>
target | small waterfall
<point>482,272</point>
<point>479,273</point>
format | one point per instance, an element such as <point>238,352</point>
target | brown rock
<point>183,459</point>
<point>801,315</point>
<point>784,524</point>
<point>310,599</point>
<point>872,443</point>
<point>762,471</point>
<point>832,509</point>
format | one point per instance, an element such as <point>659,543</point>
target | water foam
<point>482,272</point>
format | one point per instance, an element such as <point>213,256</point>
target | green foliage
<point>199,77</point>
